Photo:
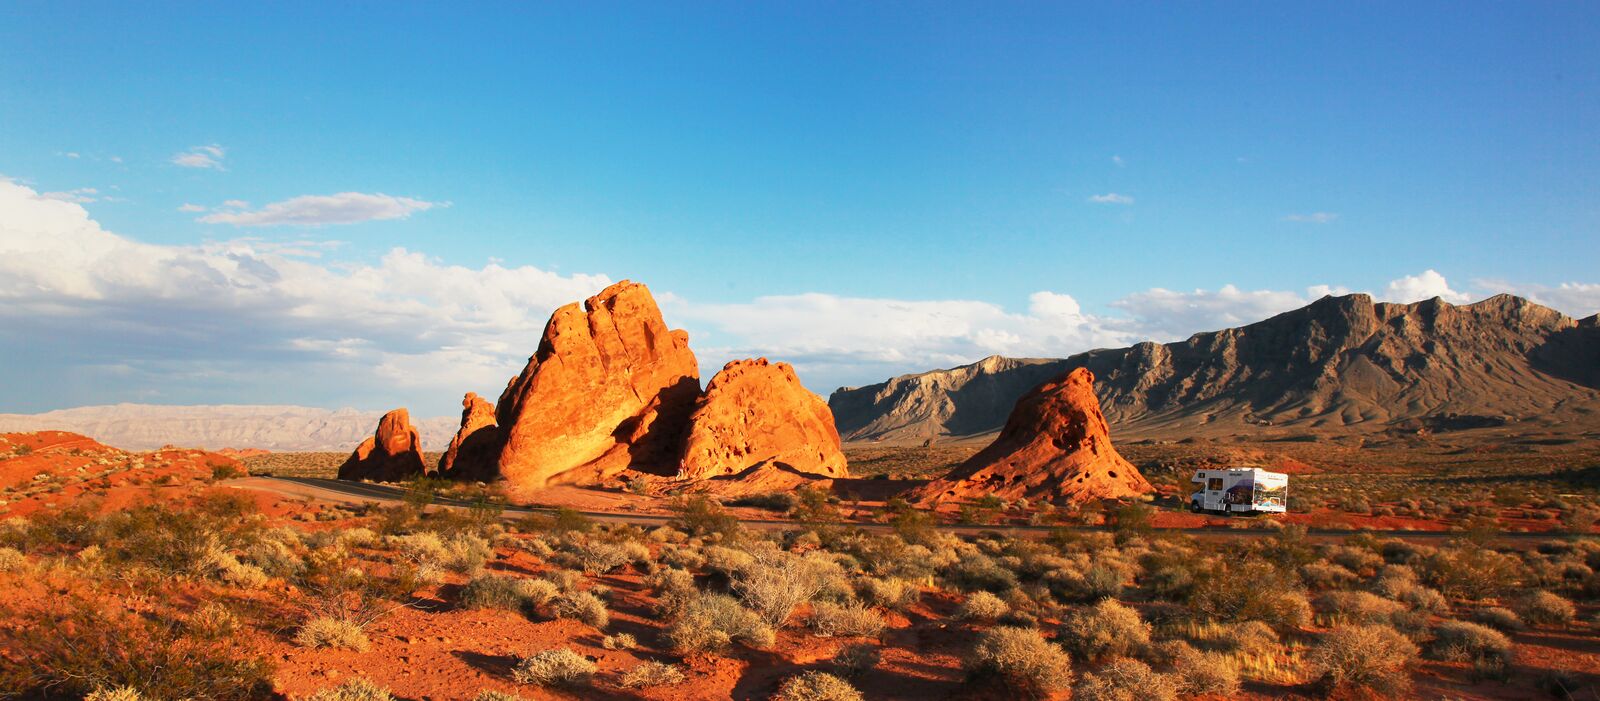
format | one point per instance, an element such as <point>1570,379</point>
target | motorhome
<point>1240,490</point>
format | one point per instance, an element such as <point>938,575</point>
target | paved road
<point>342,492</point>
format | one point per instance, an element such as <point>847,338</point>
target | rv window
<point>1215,483</point>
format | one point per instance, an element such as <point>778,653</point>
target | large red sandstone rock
<point>610,387</point>
<point>1055,447</point>
<point>473,452</point>
<point>391,454</point>
<point>756,413</point>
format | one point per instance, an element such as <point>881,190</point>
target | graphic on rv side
<point>1240,490</point>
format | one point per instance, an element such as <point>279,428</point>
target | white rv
<point>1240,490</point>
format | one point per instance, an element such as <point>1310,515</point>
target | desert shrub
<point>982,606</point>
<point>978,572</point>
<point>649,674</point>
<point>1105,629</point>
<point>1370,657</point>
<point>1357,607</point>
<point>496,591</point>
<point>467,553</point>
<point>1423,599</point>
<point>1249,591</point>
<point>353,690</point>
<point>816,686</point>
<point>1326,575</point>
<point>212,621</point>
<point>1355,559</point>
<point>74,646</point>
<point>492,695</point>
<point>1502,619</point>
<point>620,641</point>
<point>325,631</point>
<point>581,606</point>
<point>1126,680</point>
<point>698,515</point>
<point>776,590</point>
<point>558,667</point>
<point>596,556</point>
<point>423,554</point>
<point>1471,572</point>
<point>892,593</point>
<point>853,660</point>
<point>1022,659</point>
<point>712,622</point>
<point>11,559</point>
<point>1540,607</point>
<point>848,619</point>
<point>1460,641</point>
<point>1204,673</point>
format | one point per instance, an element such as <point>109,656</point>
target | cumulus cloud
<point>208,157</point>
<point>1312,218</point>
<point>82,195</point>
<point>191,208</point>
<point>70,291</point>
<point>320,210</point>
<point>1111,198</point>
<point>1425,285</point>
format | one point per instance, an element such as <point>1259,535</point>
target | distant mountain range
<point>277,428</point>
<point>1339,366</point>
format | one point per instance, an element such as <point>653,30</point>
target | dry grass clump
<point>650,674</point>
<point>1369,657</point>
<point>775,590</point>
<point>492,695</point>
<point>353,690</point>
<point>1126,680</point>
<point>1540,607</point>
<point>854,660</point>
<point>1357,607</point>
<point>594,556</point>
<point>1502,619</point>
<point>1104,630</point>
<point>620,641</point>
<point>816,686</point>
<point>847,619</point>
<point>892,593</point>
<point>559,667</point>
<point>581,606</point>
<point>12,559</point>
<point>1252,590</point>
<point>712,622</point>
<point>1204,673</point>
<point>120,693</point>
<point>1460,641</point>
<point>329,632</point>
<point>1022,659</point>
<point>1471,572</point>
<point>1327,575</point>
<point>982,606</point>
<point>496,591</point>
<point>213,621</point>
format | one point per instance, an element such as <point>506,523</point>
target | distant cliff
<point>277,428</point>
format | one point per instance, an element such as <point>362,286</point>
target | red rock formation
<point>391,454</point>
<point>476,448</point>
<point>610,387</point>
<point>756,413</point>
<point>1055,447</point>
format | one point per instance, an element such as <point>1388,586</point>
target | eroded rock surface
<point>391,454</point>
<point>757,413</point>
<point>474,452</point>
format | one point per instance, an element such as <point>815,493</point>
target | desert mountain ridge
<point>1338,366</point>
<point>214,427</point>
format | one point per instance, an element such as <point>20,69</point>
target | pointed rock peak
<point>1055,447</point>
<point>755,412</point>
<point>475,449</point>
<point>393,452</point>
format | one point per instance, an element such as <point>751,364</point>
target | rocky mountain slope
<point>277,428</point>
<point>1339,366</point>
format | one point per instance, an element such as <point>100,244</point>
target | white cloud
<point>82,195</point>
<point>245,310</point>
<point>1118,161</point>
<point>1111,198</point>
<point>319,210</point>
<point>72,154</point>
<point>1312,218</point>
<point>186,207</point>
<point>201,157</point>
<point>1168,315</point>
<point>1425,285</point>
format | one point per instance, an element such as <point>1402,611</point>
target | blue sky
<point>863,189</point>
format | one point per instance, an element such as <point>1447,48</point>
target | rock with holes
<point>474,452</point>
<point>610,389</point>
<point>391,454</point>
<point>757,413</point>
<point>1055,447</point>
